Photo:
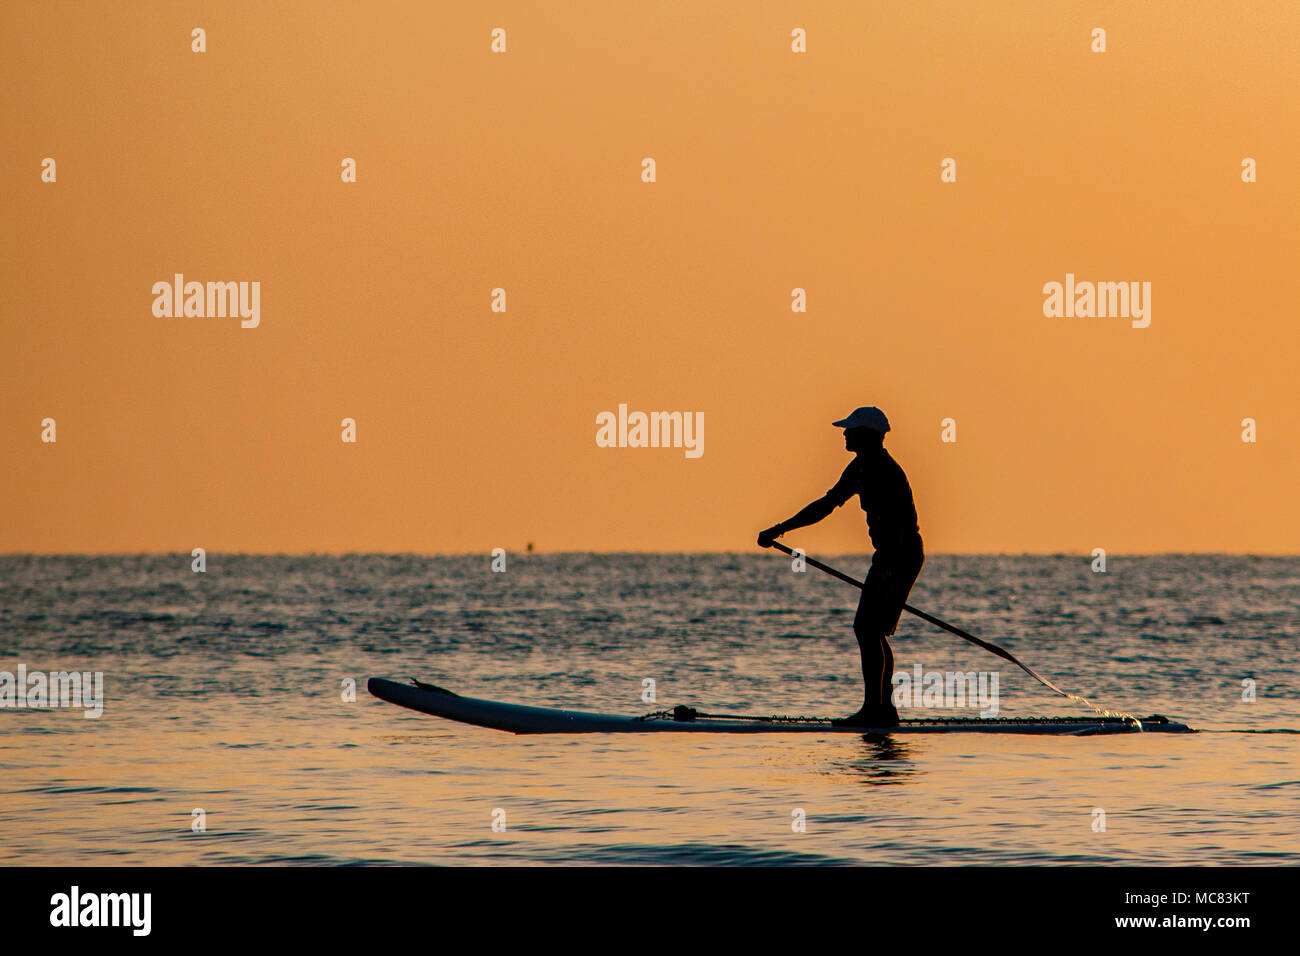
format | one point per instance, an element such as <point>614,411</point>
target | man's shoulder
<point>895,469</point>
<point>883,467</point>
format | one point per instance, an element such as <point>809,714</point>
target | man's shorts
<point>885,591</point>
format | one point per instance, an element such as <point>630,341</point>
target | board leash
<point>684,713</point>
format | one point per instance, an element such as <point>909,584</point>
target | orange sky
<point>522,170</point>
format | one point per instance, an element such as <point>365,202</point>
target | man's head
<point>862,439</point>
<point>864,428</point>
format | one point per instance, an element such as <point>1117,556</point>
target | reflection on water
<point>225,692</point>
<point>885,760</point>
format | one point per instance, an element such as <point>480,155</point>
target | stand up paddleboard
<point>519,719</point>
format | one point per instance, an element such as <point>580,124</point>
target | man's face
<point>858,439</point>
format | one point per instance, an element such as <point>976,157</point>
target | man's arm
<point>810,514</point>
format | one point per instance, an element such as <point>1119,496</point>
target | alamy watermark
<point>41,690</point>
<point>947,689</point>
<point>130,910</point>
<point>211,300</point>
<point>1103,300</point>
<point>651,430</point>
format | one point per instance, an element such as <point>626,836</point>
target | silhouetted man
<point>886,497</point>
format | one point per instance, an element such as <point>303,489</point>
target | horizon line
<point>536,553</point>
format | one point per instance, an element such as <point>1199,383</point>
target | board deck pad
<point>522,719</point>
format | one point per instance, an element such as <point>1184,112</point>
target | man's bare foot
<point>873,715</point>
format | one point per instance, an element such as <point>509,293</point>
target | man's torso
<point>886,497</point>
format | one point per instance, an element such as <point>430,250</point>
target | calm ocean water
<point>223,693</point>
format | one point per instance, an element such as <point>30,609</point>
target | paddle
<point>946,626</point>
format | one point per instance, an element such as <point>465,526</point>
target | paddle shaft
<point>993,648</point>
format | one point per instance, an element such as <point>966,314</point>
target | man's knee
<point>870,634</point>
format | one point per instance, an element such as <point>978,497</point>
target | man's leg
<point>886,672</point>
<point>877,670</point>
<point>873,646</point>
<point>884,593</point>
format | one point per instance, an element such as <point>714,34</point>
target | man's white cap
<point>865,417</point>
